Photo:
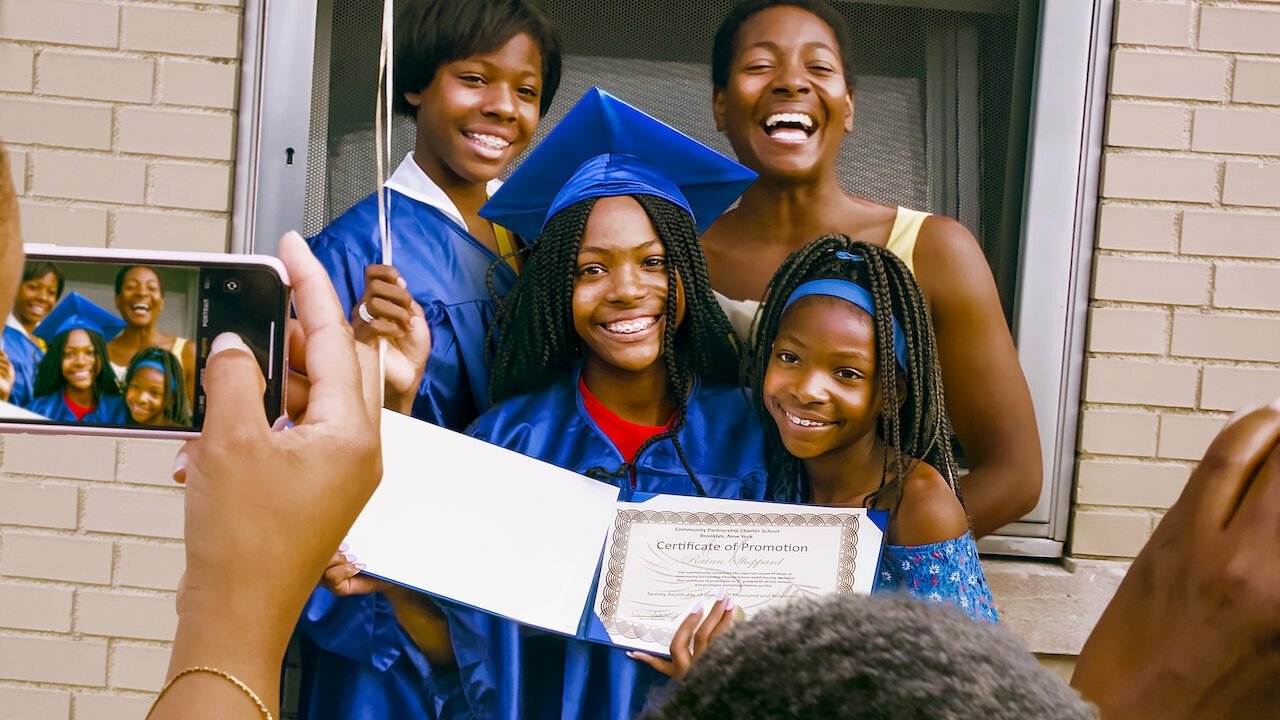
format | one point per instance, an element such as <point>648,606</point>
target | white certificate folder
<point>489,528</point>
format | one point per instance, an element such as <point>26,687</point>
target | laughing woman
<point>783,78</point>
<point>140,300</point>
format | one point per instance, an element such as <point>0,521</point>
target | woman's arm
<point>987,394</point>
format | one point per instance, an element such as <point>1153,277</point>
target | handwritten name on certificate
<point>664,555</point>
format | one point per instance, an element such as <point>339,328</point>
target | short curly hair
<point>855,657</point>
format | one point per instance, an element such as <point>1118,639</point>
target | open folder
<point>486,527</point>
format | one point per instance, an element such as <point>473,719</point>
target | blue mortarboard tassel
<point>76,312</point>
<point>603,148</point>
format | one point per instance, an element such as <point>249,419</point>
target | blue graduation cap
<point>76,312</point>
<point>603,148</point>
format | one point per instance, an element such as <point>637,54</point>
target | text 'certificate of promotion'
<point>663,555</point>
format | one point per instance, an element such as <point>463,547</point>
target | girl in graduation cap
<point>73,382</point>
<point>612,359</point>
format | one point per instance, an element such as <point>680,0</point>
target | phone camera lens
<point>232,285</point>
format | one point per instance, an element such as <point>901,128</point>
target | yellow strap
<point>506,247</point>
<point>902,238</point>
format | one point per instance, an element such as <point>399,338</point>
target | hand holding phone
<point>114,341</point>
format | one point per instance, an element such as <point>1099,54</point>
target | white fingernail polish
<point>728,603</point>
<point>720,593</point>
<point>179,464</point>
<point>695,609</point>
<point>350,557</point>
<point>227,341</point>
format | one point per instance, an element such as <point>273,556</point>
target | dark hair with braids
<point>49,377</point>
<point>532,340</point>
<point>914,426</point>
<point>175,391</point>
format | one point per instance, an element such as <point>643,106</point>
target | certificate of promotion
<point>486,527</point>
<point>663,555</point>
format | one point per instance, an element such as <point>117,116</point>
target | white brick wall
<point>120,118</point>
<point>1185,319</point>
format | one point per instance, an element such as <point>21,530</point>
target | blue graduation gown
<point>24,355</point>
<point>110,409</point>
<point>356,662</point>
<point>508,671</point>
<point>444,268</point>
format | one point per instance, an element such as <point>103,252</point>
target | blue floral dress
<point>946,572</point>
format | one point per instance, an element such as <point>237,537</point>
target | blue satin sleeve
<point>24,356</point>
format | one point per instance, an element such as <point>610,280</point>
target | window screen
<point>941,102</point>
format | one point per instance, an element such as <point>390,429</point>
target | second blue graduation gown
<point>509,671</point>
<point>110,410</point>
<point>24,355</point>
<point>358,663</point>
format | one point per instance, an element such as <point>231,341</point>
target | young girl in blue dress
<point>611,359</point>
<point>73,381</point>
<point>154,392</point>
<point>845,370</point>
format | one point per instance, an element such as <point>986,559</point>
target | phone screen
<point>123,343</point>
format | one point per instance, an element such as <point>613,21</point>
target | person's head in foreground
<point>153,389</point>
<point>616,279</point>
<point>854,656</point>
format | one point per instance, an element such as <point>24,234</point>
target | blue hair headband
<point>854,293</point>
<point>155,365</point>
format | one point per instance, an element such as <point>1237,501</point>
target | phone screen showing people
<point>124,343</point>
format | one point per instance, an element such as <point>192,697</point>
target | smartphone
<point>114,342</point>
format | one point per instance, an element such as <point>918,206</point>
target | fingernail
<point>728,603</point>
<point>721,593</point>
<point>631,655</point>
<point>179,464</point>
<point>227,341</point>
<point>360,565</point>
<point>400,281</point>
<point>350,557</point>
<point>281,423</point>
<point>696,609</point>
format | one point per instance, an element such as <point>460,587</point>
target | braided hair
<point>914,425</point>
<point>175,391</point>
<point>49,378</point>
<point>532,341</point>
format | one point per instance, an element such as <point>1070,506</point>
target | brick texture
<point>1257,81</point>
<point>1184,326</point>
<point>120,120</point>
<point>1147,23</point>
<point>1129,227</point>
<point>1169,75</point>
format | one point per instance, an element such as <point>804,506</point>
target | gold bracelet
<point>262,707</point>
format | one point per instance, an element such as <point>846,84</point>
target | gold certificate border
<point>622,536</point>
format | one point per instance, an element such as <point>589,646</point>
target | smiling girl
<point>42,284</point>
<point>153,389</point>
<point>73,382</point>
<point>783,77</point>
<point>845,367</point>
<point>611,359</point>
